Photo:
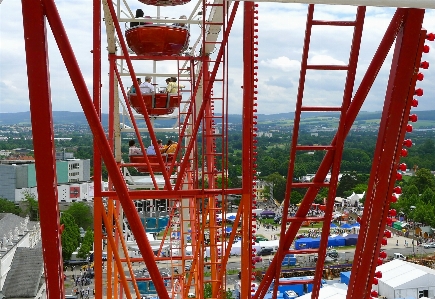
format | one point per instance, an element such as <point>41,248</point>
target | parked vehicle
<point>429,245</point>
<point>257,259</point>
<point>265,251</point>
<point>332,253</point>
<point>399,256</point>
<point>260,238</point>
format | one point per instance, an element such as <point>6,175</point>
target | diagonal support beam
<point>395,116</point>
<point>43,144</point>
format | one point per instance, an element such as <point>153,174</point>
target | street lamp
<point>413,233</point>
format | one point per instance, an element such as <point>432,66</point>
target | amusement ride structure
<point>191,178</point>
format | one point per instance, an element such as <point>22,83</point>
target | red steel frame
<point>395,116</point>
<point>359,97</point>
<point>406,23</point>
<point>44,147</point>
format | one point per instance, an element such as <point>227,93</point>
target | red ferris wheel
<point>191,177</point>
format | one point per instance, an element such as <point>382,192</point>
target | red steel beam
<point>400,91</point>
<point>163,194</point>
<point>103,145</point>
<point>340,137</point>
<point>98,204</point>
<point>354,108</point>
<point>43,143</point>
<point>247,146</point>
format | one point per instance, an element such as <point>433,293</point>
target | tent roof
<point>427,229</point>
<point>335,291</point>
<point>398,273</point>
<point>268,212</point>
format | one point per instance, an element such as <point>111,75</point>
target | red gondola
<point>154,163</point>
<point>156,104</point>
<point>157,40</point>
<point>164,2</point>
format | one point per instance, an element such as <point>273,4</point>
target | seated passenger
<point>169,148</point>
<point>151,150</point>
<point>148,23</point>
<point>181,24</point>
<point>133,149</point>
<point>139,14</point>
<point>132,89</point>
<point>172,86</point>
<point>147,87</point>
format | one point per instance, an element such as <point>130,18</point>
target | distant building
<point>72,177</point>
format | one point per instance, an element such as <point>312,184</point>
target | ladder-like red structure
<point>335,149</point>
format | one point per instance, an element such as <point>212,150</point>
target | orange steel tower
<point>193,180</point>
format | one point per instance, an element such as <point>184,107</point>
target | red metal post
<point>98,204</point>
<point>43,143</point>
<point>400,91</point>
<point>247,147</point>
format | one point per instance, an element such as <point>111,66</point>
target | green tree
<point>87,244</point>
<point>7,206</point>
<point>32,207</point>
<point>70,237</point>
<point>360,188</point>
<point>82,214</point>
<point>208,292</point>
<point>279,184</point>
<point>346,184</point>
<point>423,179</point>
<point>408,198</point>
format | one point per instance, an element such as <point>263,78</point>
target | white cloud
<point>283,63</point>
<point>281,37</point>
<point>325,60</point>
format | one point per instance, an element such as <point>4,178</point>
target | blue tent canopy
<point>228,229</point>
<point>356,224</point>
<point>303,243</point>
<point>339,241</point>
<point>351,240</point>
<point>346,225</point>
<point>333,225</point>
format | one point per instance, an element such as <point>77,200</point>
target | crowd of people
<point>169,148</point>
<point>81,281</point>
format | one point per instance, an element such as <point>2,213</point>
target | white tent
<point>236,248</point>
<point>401,279</point>
<point>335,291</point>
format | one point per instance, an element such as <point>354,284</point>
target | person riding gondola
<point>139,14</point>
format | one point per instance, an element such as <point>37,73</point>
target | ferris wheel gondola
<point>155,103</point>
<point>158,39</point>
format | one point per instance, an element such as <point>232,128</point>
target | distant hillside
<point>78,118</point>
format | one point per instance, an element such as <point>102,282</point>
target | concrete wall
<point>62,172</point>
<point>7,182</point>
<point>21,176</point>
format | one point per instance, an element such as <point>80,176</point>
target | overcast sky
<point>281,33</point>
